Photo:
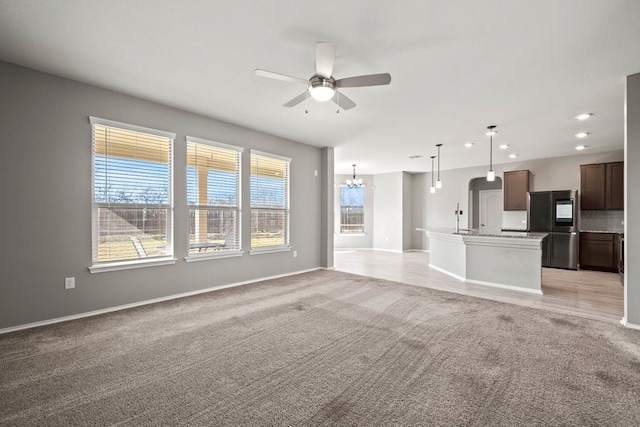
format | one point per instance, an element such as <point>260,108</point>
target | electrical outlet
<point>69,282</point>
<point>295,254</point>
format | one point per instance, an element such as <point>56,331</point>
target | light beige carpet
<point>323,348</point>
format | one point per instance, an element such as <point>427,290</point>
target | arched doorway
<point>485,202</point>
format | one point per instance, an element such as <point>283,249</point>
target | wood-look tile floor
<point>591,294</point>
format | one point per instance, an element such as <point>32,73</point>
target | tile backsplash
<point>602,220</point>
<point>514,220</point>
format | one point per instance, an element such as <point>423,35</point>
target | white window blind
<point>213,196</point>
<point>269,200</point>
<point>351,209</point>
<point>132,192</point>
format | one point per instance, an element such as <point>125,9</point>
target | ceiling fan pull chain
<point>306,103</point>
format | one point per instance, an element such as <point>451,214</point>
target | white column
<point>632,203</point>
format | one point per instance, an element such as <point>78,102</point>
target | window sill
<point>208,256</point>
<point>352,234</point>
<point>116,266</point>
<point>259,251</point>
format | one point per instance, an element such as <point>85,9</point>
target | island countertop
<point>506,259</point>
<point>472,232</point>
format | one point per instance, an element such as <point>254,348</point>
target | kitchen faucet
<point>458,212</point>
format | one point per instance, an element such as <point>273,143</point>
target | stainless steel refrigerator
<point>555,213</point>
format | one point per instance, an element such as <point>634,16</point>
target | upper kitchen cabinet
<point>516,186</point>
<point>602,186</point>
<point>614,191</point>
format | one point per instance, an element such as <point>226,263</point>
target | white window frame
<point>287,210</point>
<point>342,233</point>
<point>167,258</point>
<point>201,256</point>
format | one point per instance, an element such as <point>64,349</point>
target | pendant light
<point>438,182</point>
<point>433,186</point>
<point>354,182</point>
<point>491,175</point>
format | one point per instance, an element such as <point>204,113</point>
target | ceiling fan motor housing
<point>322,88</point>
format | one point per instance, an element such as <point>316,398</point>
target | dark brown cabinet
<point>592,184</point>
<point>602,186</point>
<point>614,191</point>
<point>516,186</point>
<point>599,251</point>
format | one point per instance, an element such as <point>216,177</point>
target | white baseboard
<point>502,286</point>
<point>448,273</point>
<point>626,324</point>
<point>379,249</point>
<point>146,302</point>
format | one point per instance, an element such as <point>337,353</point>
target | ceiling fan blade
<point>343,101</point>
<point>297,100</point>
<point>278,76</point>
<point>325,58</point>
<point>368,80</point>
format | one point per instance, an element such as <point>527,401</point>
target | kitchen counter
<point>519,234</point>
<point>602,231</point>
<point>505,259</point>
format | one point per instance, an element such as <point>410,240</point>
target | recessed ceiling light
<point>513,156</point>
<point>582,135</point>
<point>584,116</point>
<point>468,144</point>
<point>580,147</point>
<point>504,146</point>
<point>417,156</point>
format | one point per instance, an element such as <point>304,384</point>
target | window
<point>213,196</point>
<point>351,209</point>
<point>132,193</point>
<point>269,200</point>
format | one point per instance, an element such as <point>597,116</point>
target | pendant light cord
<point>491,132</point>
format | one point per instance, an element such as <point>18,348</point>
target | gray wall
<point>407,211</point>
<point>388,217</point>
<point>45,222</point>
<point>327,218</point>
<point>632,202</point>
<point>419,187</point>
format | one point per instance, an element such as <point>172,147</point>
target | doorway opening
<point>489,212</point>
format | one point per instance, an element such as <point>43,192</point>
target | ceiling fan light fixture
<point>322,89</point>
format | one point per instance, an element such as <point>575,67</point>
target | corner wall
<point>632,203</point>
<point>388,230</point>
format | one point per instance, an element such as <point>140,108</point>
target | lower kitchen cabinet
<point>599,251</point>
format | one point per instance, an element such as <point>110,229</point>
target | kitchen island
<point>511,260</point>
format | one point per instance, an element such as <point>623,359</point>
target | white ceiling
<point>457,66</point>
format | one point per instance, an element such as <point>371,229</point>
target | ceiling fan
<point>322,86</point>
